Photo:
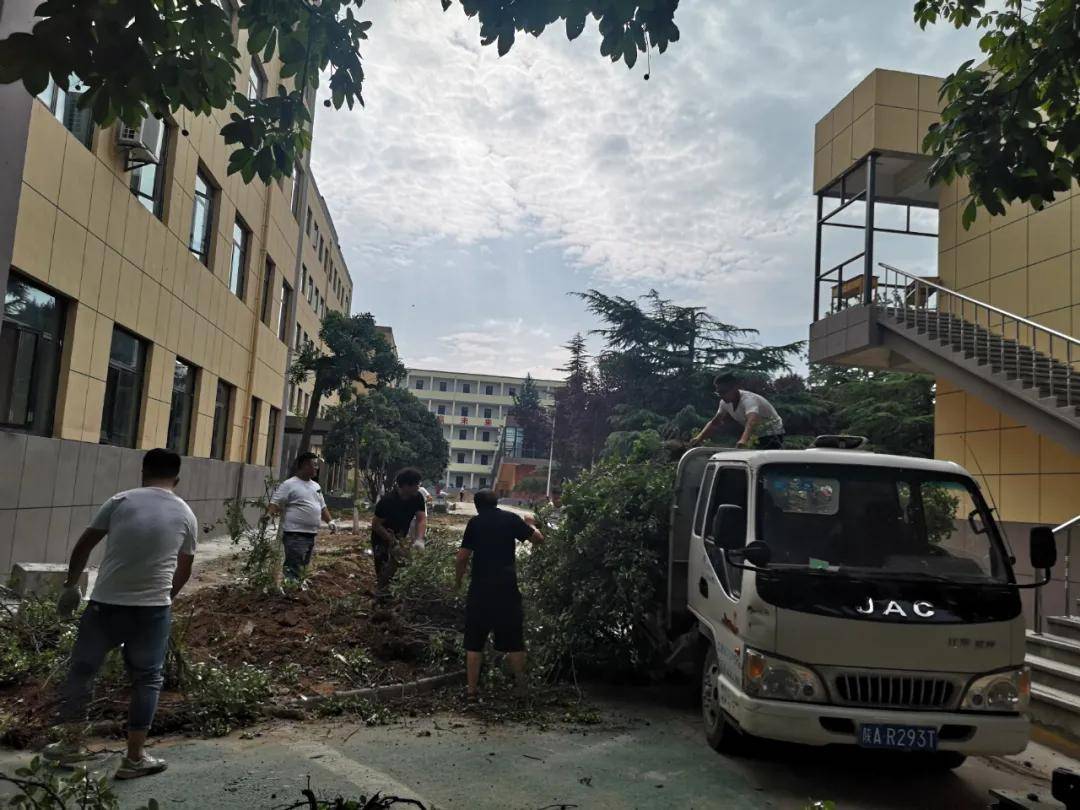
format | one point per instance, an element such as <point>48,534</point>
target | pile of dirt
<point>331,636</point>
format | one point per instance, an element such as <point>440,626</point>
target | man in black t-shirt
<point>394,513</point>
<point>494,602</point>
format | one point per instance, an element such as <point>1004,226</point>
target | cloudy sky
<point>473,194</point>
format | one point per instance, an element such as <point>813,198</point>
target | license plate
<point>902,738</point>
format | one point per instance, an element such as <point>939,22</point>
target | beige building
<point>473,410</point>
<point>151,300</point>
<point>997,323</point>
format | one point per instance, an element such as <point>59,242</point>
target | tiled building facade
<point>147,304</point>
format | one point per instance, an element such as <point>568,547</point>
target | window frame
<point>183,449</point>
<point>219,444</point>
<point>210,206</point>
<point>238,270</point>
<point>9,323</point>
<point>255,406</point>
<point>283,311</point>
<point>267,304</point>
<point>108,433</point>
<point>155,201</point>
<point>271,435</point>
<point>256,72</point>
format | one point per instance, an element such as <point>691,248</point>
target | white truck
<point>837,596</point>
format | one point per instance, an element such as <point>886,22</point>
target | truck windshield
<point>878,521</point>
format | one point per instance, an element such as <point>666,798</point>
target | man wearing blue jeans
<point>300,500</point>
<point>148,555</point>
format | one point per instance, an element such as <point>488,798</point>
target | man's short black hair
<point>485,499</point>
<point>408,477</point>
<point>304,457</point>
<point>160,464</point>
<point>726,380</point>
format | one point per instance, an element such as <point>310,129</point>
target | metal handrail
<point>915,294</point>
<point>1068,524</point>
<point>982,304</point>
<point>1067,527</point>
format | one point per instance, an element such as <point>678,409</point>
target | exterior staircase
<point>1054,658</point>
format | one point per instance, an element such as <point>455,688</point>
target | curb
<point>294,710</point>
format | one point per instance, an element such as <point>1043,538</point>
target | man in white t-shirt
<point>761,424</point>
<point>300,500</point>
<point>151,542</point>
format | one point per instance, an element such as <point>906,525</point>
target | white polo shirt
<point>770,423</point>
<point>302,502</point>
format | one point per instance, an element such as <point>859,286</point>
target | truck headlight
<point>774,678</point>
<point>1007,691</point>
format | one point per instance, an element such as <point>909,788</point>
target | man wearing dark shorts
<point>494,602</point>
<point>394,514</point>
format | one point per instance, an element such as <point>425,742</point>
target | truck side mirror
<point>1043,547</point>
<point>729,526</point>
<point>758,554</point>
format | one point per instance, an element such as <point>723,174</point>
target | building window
<point>485,436</point>
<point>222,417</point>
<point>283,312</point>
<point>307,226</point>
<point>63,102</point>
<point>297,181</point>
<point>460,458</point>
<point>271,435</point>
<point>148,182</point>
<point>183,405</point>
<point>483,482</point>
<point>31,340</point>
<point>489,389</point>
<point>202,214</point>
<point>123,389</point>
<point>459,482</point>
<point>253,432</point>
<point>483,459</point>
<point>466,388</point>
<point>461,435</point>
<point>419,385</point>
<point>241,242</point>
<point>487,413</point>
<point>512,391</point>
<point>256,80</point>
<point>441,410</point>
<point>267,293</point>
<point>442,386</point>
<point>464,410</point>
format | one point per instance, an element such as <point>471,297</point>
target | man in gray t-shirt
<point>299,500</point>
<point>151,542</point>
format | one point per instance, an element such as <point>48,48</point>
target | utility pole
<point>551,454</point>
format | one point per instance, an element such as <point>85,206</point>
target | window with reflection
<point>202,215</point>
<point>241,246</point>
<point>123,389</point>
<point>31,340</point>
<point>148,182</point>
<point>178,438</point>
<point>63,102</point>
<point>222,416</point>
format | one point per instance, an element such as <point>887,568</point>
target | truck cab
<point>844,597</point>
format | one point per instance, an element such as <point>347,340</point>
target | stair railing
<point>909,294</point>
<point>1067,528</point>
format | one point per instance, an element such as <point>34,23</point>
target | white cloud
<point>497,346</point>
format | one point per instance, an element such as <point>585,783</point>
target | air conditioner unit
<point>142,143</point>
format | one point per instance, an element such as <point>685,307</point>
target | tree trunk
<point>356,491</point>
<point>313,412</point>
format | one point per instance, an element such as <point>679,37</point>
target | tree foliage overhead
<point>1011,126</point>
<point>139,57</point>
<point>357,354</point>
<point>381,432</point>
<point>533,420</point>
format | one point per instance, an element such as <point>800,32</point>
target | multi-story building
<point>997,322</point>
<point>473,410</point>
<point>151,300</point>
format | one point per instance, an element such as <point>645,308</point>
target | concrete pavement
<point>641,755</point>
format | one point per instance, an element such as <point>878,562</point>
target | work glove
<point>333,526</point>
<point>68,601</point>
<point>418,543</point>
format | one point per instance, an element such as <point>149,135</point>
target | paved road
<point>640,756</point>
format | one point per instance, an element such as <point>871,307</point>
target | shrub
<point>40,786</point>
<point>221,698</point>
<point>425,583</point>
<point>356,666</point>
<point>592,591</point>
<point>34,642</point>
<point>263,559</point>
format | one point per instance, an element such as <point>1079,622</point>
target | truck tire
<point>719,731</point>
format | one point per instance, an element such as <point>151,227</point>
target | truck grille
<point>901,691</point>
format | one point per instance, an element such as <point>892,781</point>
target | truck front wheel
<point>719,731</point>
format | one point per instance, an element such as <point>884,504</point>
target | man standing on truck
<point>394,514</point>
<point>494,601</point>
<point>151,542</point>
<point>761,423</point>
<point>300,500</point>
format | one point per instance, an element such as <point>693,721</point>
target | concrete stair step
<point>1054,674</point>
<point>1055,648</point>
<point>1055,709</point>
<point>1064,626</point>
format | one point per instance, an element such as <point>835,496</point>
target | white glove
<point>333,526</point>
<point>418,543</point>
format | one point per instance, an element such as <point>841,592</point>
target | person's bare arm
<point>461,564</point>
<point>274,509</point>
<point>326,516</point>
<point>421,525</point>
<point>710,426</point>
<point>182,573</point>
<point>752,420</point>
<point>80,555</point>
<point>536,538</point>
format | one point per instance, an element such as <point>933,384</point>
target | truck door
<point>716,587</point>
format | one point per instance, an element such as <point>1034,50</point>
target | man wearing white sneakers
<point>148,555</point>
